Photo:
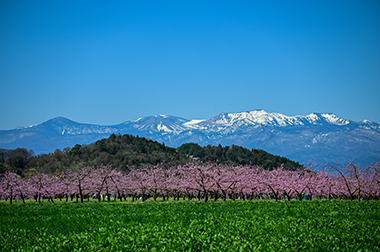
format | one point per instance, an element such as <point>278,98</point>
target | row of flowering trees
<point>196,181</point>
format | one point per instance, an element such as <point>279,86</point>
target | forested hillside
<point>236,155</point>
<point>123,151</point>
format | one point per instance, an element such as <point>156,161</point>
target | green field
<point>224,226</point>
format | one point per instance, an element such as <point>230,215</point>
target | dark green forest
<point>124,151</point>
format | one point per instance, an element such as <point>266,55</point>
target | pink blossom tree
<point>12,186</point>
<point>352,179</point>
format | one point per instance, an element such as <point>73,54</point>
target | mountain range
<point>324,137</point>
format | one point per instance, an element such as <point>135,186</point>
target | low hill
<point>122,151</point>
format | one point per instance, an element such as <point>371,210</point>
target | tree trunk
<point>80,192</point>
<point>155,195</point>
<point>205,195</point>
<point>242,195</point>
<point>287,196</point>
<point>300,195</point>
<point>22,198</point>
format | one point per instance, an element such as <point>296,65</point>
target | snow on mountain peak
<point>26,127</point>
<point>163,128</point>
<point>366,124</point>
<point>193,124</point>
<point>333,119</point>
<point>233,121</point>
<point>138,119</point>
<point>261,117</point>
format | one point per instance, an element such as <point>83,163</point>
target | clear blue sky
<point>106,62</point>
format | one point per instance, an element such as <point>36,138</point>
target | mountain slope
<point>57,133</point>
<point>324,137</point>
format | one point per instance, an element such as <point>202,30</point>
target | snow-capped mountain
<point>324,137</point>
<point>230,122</point>
<point>158,123</point>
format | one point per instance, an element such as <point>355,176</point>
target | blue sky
<point>109,62</point>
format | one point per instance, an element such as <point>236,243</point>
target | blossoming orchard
<point>196,182</point>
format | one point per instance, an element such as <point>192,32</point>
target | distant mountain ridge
<point>322,136</point>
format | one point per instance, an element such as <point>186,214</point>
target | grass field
<point>225,226</point>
